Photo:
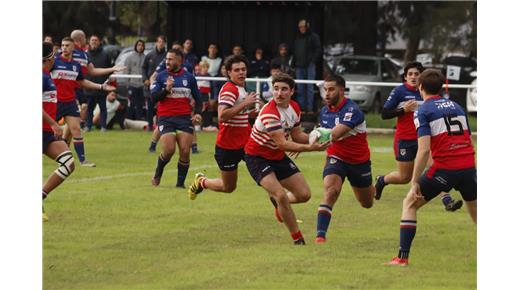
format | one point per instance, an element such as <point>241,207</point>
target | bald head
<point>79,37</point>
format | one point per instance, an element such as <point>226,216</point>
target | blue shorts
<point>435,181</point>
<point>359,175</point>
<point>67,109</point>
<point>228,159</point>
<point>405,150</point>
<point>47,138</point>
<point>80,96</point>
<point>260,167</point>
<point>170,124</point>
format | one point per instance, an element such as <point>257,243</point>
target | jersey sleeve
<point>80,76</point>
<point>393,99</point>
<point>421,123</point>
<point>352,117</point>
<point>161,66</point>
<point>157,85</point>
<point>228,96</point>
<point>270,121</point>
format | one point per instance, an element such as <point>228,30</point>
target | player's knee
<point>406,178</point>
<point>229,188</point>
<point>66,164</point>
<point>367,203</point>
<point>331,194</point>
<point>281,198</point>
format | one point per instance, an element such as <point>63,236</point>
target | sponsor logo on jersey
<point>348,117</point>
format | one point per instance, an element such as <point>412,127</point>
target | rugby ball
<point>320,135</point>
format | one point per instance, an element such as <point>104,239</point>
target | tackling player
<point>173,90</point>
<point>402,102</point>
<point>443,129</point>
<point>52,145</point>
<point>348,156</point>
<point>234,105</point>
<point>265,153</point>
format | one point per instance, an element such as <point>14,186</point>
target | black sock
<point>161,163</point>
<point>153,144</point>
<point>273,201</point>
<point>182,171</point>
<point>44,194</point>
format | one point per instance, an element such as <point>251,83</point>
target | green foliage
<point>110,229</point>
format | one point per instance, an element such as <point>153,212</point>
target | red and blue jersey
<point>184,90</point>
<point>65,74</point>
<point>81,56</point>
<point>49,100</point>
<point>445,121</point>
<point>398,97</point>
<point>353,147</point>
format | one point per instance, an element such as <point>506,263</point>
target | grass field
<point>110,229</point>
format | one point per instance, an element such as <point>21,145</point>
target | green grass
<point>374,121</point>
<point>110,229</point>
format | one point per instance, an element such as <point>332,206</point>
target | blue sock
<point>161,163</point>
<point>446,199</point>
<point>324,216</point>
<point>182,171</point>
<point>407,231</point>
<point>194,148</point>
<point>79,147</point>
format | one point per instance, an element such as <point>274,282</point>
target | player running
<point>348,156</point>
<point>67,75</point>
<point>52,145</point>
<point>265,153</point>
<point>402,102</point>
<point>234,105</point>
<point>173,90</point>
<point>442,127</point>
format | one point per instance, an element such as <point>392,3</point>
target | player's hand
<point>107,88</point>
<point>118,68</point>
<point>196,118</point>
<point>169,84</point>
<point>147,83</point>
<point>416,191</point>
<point>410,106</point>
<point>250,99</point>
<point>58,132</point>
<point>319,146</point>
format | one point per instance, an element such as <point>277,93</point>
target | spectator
<point>150,63</point>
<point>237,49</point>
<point>47,38</point>
<point>259,66</point>
<point>134,64</point>
<point>283,60</point>
<point>205,92</point>
<point>116,114</point>
<point>267,87</point>
<point>190,58</point>
<point>99,59</point>
<point>307,52</point>
<point>213,59</point>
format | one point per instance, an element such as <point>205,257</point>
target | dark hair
<point>275,65</point>
<point>47,51</point>
<point>66,38</point>
<point>161,37</point>
<point>176,51</point>
<point>230,60</point>
<point>284,78</point>
<point>431,81</point>
<point>338,80</point>
<point>413,64</point>
<point>96,36</point>
<point>137,42</point>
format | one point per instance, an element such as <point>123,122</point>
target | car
<point>364,68</point>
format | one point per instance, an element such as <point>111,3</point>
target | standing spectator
<point>259,66</point>
<point>267,87</point>
<point>307,52</point>
<point>47,38</point>
<point>213,59</point>
<point>150,63</point>
<point>99,59</point>
<point>134,63</point>
<point>190,58</point>
<point>237,49</point>
<point>205,94</point>
<point>283,60</point>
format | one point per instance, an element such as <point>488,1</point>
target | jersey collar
<point>339,106</point>
<point>176,74</point>
<point>65,59</point>
<point>434,98</point>
<point>411,88</point>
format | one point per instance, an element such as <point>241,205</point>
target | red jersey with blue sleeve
<point>65,74</point>
<point>50,99</point>
<point>82,58</point>
<point>353,147</point>
<point>446,123</point>
<point>234,133</point>
<point>398,97</point>
<point>272,118</point>
<point>184,90</point>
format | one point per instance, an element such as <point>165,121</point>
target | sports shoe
<point>196,187</point>
<point>320,240</point>
<point>151,149</point>
<point>156,181</point>
<point>454,205</point>
<point>277,215</point>
<point>299,241</point>
<point>396,261</point>
<point>180,186</point>
<point>380,184</point>
<point>86,163</point>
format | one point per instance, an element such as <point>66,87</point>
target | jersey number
<point>452,121</point>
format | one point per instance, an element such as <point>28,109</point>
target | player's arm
<point>339,131</point>
<point>286,145</point>
<point>94,71</point>
<point>226,112</point>
<point>159,90</point>
<point>86,84</point>
<point>390,108</point>
<point>55,127</point>
<point>298,136</point>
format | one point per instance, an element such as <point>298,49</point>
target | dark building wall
<point>264,23</point>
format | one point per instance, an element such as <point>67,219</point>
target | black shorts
<point>67,109</point>
<point>81,97</point>
<point>260,167</point>
<point>47,138</point>
<point>359,175</point>
<point>228,159</point>
<point>405,150</point>
<point>435,181</point>
<point>170,124</point>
